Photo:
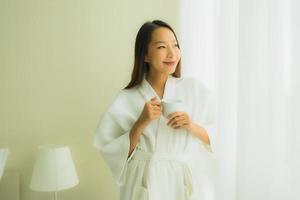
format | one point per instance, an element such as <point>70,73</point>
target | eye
<point>160,47</point>
<point>176,45</point>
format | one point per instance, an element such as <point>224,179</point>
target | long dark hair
<point>141,49</point>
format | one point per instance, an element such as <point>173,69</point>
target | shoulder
<point>126,93</point>
<point>123,100</point>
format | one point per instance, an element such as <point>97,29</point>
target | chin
<point>172,70</point>
<point>168,71</point>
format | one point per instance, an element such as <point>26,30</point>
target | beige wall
<point>61,64</point>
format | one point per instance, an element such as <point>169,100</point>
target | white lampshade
<point>3,158</point>
<point>54,169</point>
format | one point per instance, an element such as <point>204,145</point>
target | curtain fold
<point>252,61</point>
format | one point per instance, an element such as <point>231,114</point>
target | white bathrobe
<point>167,164</point>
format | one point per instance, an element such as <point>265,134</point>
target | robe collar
<point>148,92</point>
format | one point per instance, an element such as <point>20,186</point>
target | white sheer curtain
<point>247,51</point>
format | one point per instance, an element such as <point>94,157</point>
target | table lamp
<point>54,170</point>
<point>3,159</point>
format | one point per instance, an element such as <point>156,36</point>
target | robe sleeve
<point>113,143</point>
<point>205,115</point>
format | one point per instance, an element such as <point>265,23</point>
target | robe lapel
<point>148,92</point>
<point>159,126</point>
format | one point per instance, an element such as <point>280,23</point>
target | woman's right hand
<point>151,111</point>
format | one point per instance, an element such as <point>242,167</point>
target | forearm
<point>135,135</point>
<point>200,133</point>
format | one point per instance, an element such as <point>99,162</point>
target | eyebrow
<point>163,42</point>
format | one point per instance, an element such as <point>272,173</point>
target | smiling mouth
<point>170,63</point>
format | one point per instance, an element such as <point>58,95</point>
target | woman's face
<point>163,52</point>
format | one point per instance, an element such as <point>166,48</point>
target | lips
<point>170,63</point>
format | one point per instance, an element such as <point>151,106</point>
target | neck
<point>157,82</point>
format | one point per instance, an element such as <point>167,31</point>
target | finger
<point>177,119</point>
<point>177,125</point>
<point>155,106</point>
<point>156,102</point>
<point>174,114</point>
<point>156,109</point>
<point>173,120</point>
<point>180,123</point>
<point>185,124</point>
<point>153,98</point>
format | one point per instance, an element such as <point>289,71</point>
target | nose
<point>171,53</point>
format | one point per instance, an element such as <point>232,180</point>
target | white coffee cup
<point>171,106</point>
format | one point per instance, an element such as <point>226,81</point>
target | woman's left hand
<point>179,120</point>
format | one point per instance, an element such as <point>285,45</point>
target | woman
<point>153,157</point>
